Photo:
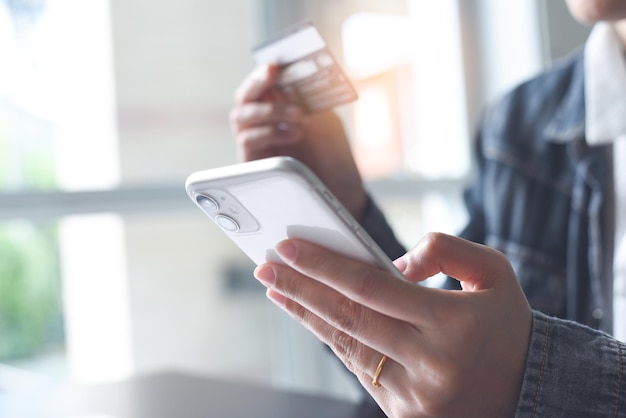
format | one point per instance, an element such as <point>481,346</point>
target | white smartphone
<point>260,203</point>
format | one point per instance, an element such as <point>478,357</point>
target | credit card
<point>309,74</point>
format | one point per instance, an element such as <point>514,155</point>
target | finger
<point>254,114</point>
<point>267,139</point>
<point>385,334</point>
<point>476,266</point>
<point>358,358</point>
<point>258,82</point>
<point>362,283</point>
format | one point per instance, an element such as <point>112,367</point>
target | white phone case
<point>260,203</point>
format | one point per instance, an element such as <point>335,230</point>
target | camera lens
<point>207,203</point>
<point>227,223</point>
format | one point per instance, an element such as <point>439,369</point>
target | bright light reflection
<point>373,107</point>
<point>65,76</point>
<point>441,128</point>
<point>434,130</point>
<point>374,43</point>
<point>95,298</point>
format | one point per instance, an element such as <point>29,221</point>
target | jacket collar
<point>591,71</point>
<point>568,123</point>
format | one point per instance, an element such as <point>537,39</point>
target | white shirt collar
<point>605,86</point>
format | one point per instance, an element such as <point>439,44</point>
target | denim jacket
<point>544,198</point>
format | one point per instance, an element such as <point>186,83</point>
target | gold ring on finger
<point>378,370</point>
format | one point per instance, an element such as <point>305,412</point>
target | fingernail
<point>401,264</point>
<point>266,275</point>
<point>287,251</point>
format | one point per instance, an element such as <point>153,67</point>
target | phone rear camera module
<point>226,211</point>
<point>227,223</point>
<point>207,203</point>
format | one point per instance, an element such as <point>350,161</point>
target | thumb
<point>476,266</point>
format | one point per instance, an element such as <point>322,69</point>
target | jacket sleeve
<point>375,224</point>
<point>572,371</point>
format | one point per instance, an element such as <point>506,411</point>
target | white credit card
<point>309,74</point>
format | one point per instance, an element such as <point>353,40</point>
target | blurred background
<point>107,270</point>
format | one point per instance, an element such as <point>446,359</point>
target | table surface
<point>175,395</point>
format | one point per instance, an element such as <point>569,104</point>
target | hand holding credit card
<point>309,75</point>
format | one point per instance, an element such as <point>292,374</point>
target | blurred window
<point>57,136</point>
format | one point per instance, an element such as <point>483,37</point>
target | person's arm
<point>572,371</point>
<point>265,124</point>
